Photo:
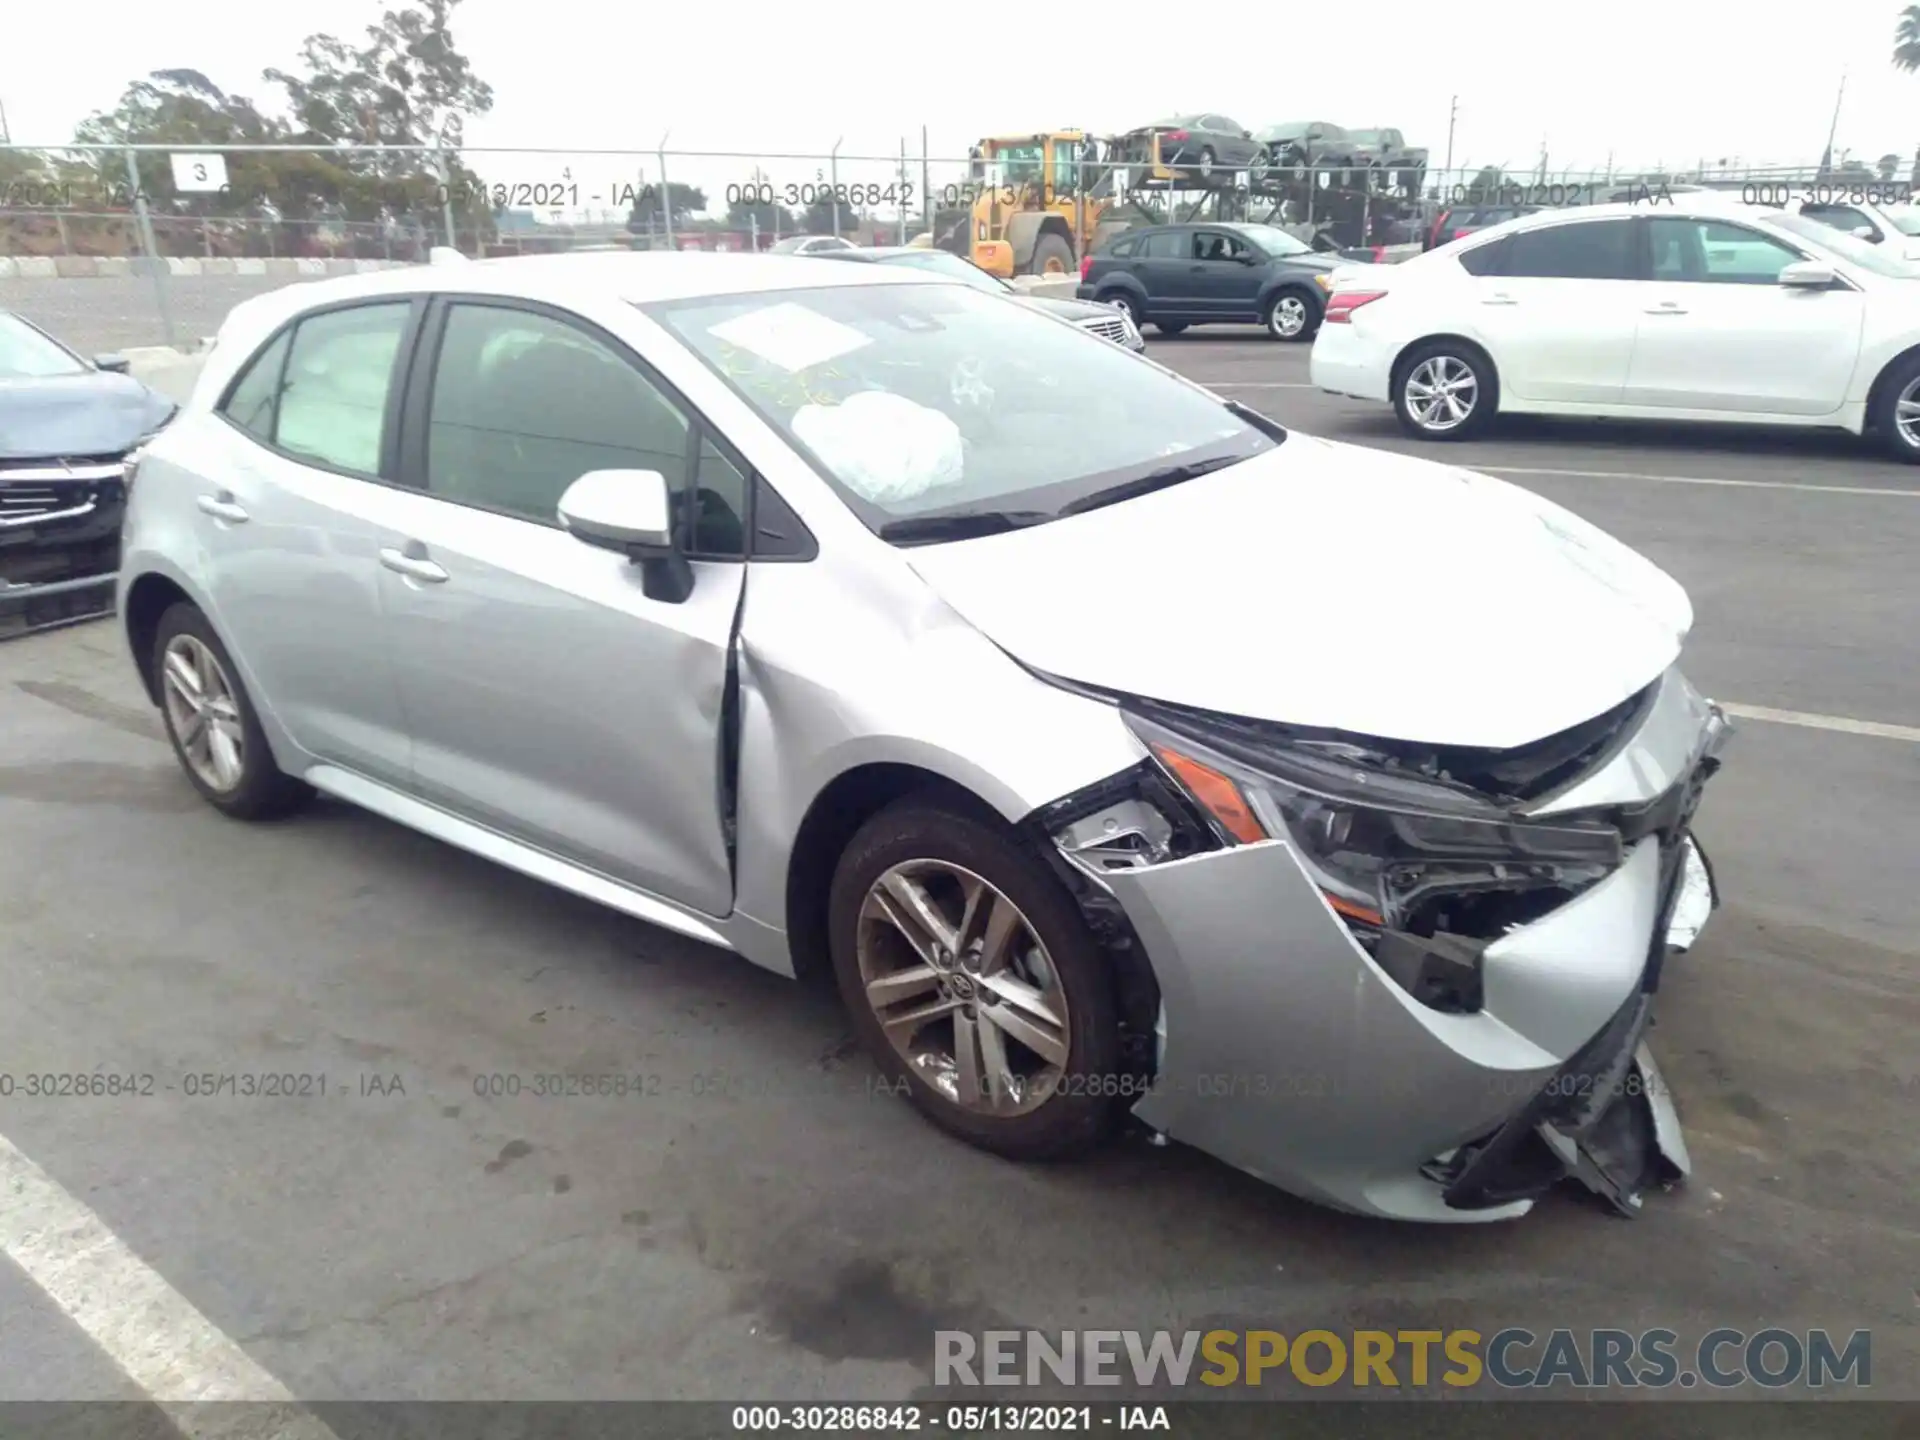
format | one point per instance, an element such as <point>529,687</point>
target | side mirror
<point>630,511</point>
<point>113,364</point>
<point>1867,233</point>
<point>1808,275</point>
<point>1247,257</point>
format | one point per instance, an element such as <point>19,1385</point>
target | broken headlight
<point>1390,848</point>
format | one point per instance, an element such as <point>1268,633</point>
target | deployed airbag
<point>884,447</point>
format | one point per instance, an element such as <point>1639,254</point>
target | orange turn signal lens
<point>1220,795</point>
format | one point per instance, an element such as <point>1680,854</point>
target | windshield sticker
<point>790,336</point>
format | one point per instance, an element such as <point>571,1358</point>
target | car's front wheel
<point>973,981</point>
<point>1292,315</point>
<point>1445,390</point>
<point>211,721</point>
<point>1122,300</point>
<point>1896,412</point>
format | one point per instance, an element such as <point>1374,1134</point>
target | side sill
<point>491,845</point>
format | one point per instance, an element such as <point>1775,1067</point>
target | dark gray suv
<point>1181,275</point>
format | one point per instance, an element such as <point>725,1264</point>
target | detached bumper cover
<point>1288,1051</point>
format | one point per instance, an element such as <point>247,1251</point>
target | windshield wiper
<point>1146,484</point>
<point>961,524</point>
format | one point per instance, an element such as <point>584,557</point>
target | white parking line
<point>1805,719</point>
<point>1257,384</point>
<point>1894,492</point>
<point>145,1326</point>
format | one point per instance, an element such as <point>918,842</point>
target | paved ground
<point>94,315</point>
<point>762,1225</point>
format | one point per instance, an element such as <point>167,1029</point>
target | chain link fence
<point>114,247</point>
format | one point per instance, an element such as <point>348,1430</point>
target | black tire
<point>1486,396</point>
<point>1292,315</point>
<point>264,791</point>
<point>1166,327</point>
<point>1054,248</point>
<point>1206,162</point>
<point>1884,418</point>
<point>1126,300</point>
<point>1076,1117</point>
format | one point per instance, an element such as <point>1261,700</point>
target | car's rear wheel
<point>1292,315</point>
<point>1124,300</point>
<point>1445,390</point>
<point>973,981</point>
<point>1206,161</point>
<point>1169,328</point>
<point>1896,413</point>
<point>211,721</point>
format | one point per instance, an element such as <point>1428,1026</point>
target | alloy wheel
<point>963,987</point>
<point>1441,393</point>
<point>1906,413</point>
<point>203,713</point>
<point>1289,316</point>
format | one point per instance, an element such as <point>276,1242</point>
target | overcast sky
<point>1642,81</point>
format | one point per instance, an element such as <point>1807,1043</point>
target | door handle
<point>1666,307</point>
<point>222,507</point>
<point>1499,300</point>
<point>414,567</point>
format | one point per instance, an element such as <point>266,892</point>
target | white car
<point>1691,310</point>
<point>1895,228</point>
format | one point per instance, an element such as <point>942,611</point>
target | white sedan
<point>1675,311</point>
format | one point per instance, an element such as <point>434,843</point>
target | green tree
<point>407,84</point>
<point>685,201</point>
<point>1906,40</point>
<point>769,216</point>
<point>185,108</point>
<point>819,214</point>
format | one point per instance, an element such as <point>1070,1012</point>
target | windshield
<point>944,262</point>
<point>918,400</point>
<point>1273,240</point>
<point>1865,254</point>
<point>26,354</point>
<point>1904,218</point>
<point>1021,164</point>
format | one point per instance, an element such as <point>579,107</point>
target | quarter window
<point>254,402</point>
<point>333,399</point>
<point>524,404</point>
<point>1585,250</point>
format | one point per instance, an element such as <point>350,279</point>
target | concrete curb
<point>1047,287</point>
<point>114,267</point>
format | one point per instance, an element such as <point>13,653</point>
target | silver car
<point>1076,718</point>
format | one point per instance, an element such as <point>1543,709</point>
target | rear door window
<point>1582,250</point>
<point>1163,245</point>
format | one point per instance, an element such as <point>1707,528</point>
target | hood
<point>1069,309</point>
<point>96,413</point>
<point>1331,586</point>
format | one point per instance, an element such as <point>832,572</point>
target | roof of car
<point>637,277</point>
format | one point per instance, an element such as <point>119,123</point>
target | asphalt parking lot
<point>760,1223</point>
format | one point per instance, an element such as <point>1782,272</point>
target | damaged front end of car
<point>1408,980</point>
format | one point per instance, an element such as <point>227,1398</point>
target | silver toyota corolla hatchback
<point>1119,750</point>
